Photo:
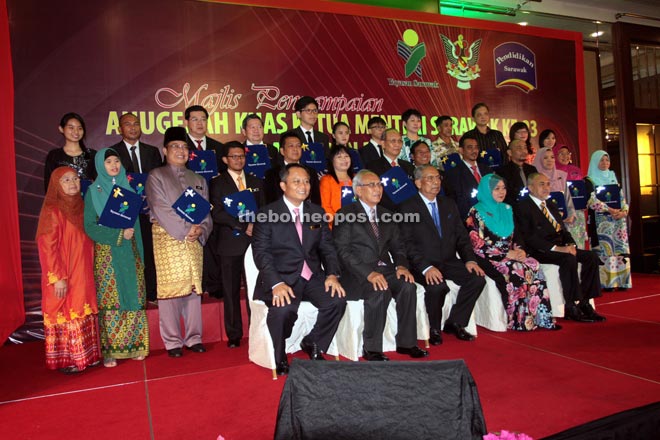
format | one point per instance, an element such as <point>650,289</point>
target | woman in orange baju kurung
<point>68,298</point>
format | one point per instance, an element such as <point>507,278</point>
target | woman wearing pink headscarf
<point>575,220</point>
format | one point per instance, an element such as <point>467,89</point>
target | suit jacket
<point>368,153</point>
<point>272,190</point>
<point>319,137</point>
<point>229,232</point>
<point>359,251</point>
<point>150,157</point>
<point>380,166</point>
<point>211,144</point>
<point>514,184</point>
<point>424,245</point>
<point>540,236</point>
<point>459,183</point>
<point>278,253</point>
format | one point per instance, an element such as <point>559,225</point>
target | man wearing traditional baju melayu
<point>178,251</point>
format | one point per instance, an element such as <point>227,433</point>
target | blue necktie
<point>436,217</point>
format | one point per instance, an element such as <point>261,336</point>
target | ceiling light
<point>523,23</point>
<point>597,34</point>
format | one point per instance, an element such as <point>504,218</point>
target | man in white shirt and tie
<point>307,110</point>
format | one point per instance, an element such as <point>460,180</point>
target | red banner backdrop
<point>156,58</point>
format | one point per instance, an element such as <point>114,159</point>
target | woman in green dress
<point>118,269</point>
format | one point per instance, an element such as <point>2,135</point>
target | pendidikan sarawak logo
<point>462,60</point>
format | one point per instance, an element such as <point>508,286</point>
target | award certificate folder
<point>356,161</point>
<point>451,161</point>
<point>491,157</point>
<point>610,194</point>
<point>347,196</point>
<point>204,163</point>
<point>241,205</point>
<point>397,185</point>
<point>257,161</point>
<point>138,182</point>
<point>557,198</point>
<point>578,191</point>
<point>191,206</point>
<point>313,156</point>
<point>122,209</point>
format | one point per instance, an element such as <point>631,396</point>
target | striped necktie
<point>550,218</point>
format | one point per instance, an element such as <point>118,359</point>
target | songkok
<point>175,134</point>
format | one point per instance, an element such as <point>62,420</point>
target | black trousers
<point>149,265</point>
<point>375,313</point>
<point>575,289</point>
<point>231,271</point>
<point>471,286</point>
<point>211,274</point>
<point>280,320</point>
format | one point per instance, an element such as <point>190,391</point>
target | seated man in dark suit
<point>291,151</point>
<point>364,244</point>
<point>253,130</point>
<point>548,242</point>
<point>432,244</point>
<point>289,254</point>
<point>138,157</point>
<point>373,150</point>
<point>232,236</point>
<point>516,171</point>
<point>392,143</point>
<point>461,181</point>
<point>307,110</point>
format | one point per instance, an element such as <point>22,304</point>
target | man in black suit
<point>291,152</point>
<point>432,244</point>
<point>392,143</point>
<point>138,157</point>
<point>372,150</point>
<point>486,136</point>
<point>516,171</point>
<point>548,242</point>
<point>307,110</point>
<point>289,254</point>
<point>461,181</point>
<point>365,237</point>
<point>197,123</point>
<point>253,130</point>
<point>232,235</point>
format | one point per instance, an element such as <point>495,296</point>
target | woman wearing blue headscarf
<point>118,269</point>
<point>491,227</point>
<point>608,230</point>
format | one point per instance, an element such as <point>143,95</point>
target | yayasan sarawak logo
<point>412,52</point>
<point>462,60</point>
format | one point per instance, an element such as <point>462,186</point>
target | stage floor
<point>539,383</point>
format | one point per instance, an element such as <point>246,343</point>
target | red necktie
<point>199,144</point>
<point>475,173</point>
<point>394,163</point>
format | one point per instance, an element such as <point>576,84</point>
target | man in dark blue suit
<point>289,253</point>
<point>461,182</point>
<point>432,245</point>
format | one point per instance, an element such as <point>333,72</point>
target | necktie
<point>309,137</point>
<point>476,174</point>
<point>374,223</point>
<point>436,217</point>
<point>380,150</point>
<point>239,183</point>
<point>199,144</point>
<point>550,218</point>
<point>394,163</point>
<point>306,271</point>
<point>134,159</point>
<point>523,177</point>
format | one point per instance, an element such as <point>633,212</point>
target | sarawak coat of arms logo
<point>462,60</point>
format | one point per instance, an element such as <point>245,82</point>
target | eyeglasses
<point>310,110</point>
<point>372,185</point>
<point>237,156</point>
<point>178,146</point>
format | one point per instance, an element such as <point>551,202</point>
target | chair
<point>556,293</point>
<point>260,343</point>
<point>489,311</point>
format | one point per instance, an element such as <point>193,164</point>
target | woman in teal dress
<point>608,230</point>
<point>118,269</point>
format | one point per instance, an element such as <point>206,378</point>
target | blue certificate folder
<point>578,191</point>
<point>122,209</point>
<point>557,198</point>
<point>191,206</point>
<point>356,161</point>
<point>257,161</point>
<point>451,161</point>
<point>347,196</point>
<point>610,194</point>
<point>491,157</point>
<point>138,182</point>
<point>313,156</point>
<point>397,185</point>
<point>204,163</point>
<point>241,205</point>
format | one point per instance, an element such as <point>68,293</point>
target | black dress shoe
<point>312,350</point>
<point>197,348</point>
<point>175,352</point>
<point>435,338</point>
<point>589,312</point>
<point>573,313</point>
<point>458,331</point>
<point>413,352</point>
<point>374,356</point>
<point>234,343</point>
<point>282,368</point>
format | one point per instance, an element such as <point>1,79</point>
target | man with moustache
<point>138,157</point>
<point>516,171</point>
<point>253,130</point>
<point>289,254</point>
<point>445,144</point>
